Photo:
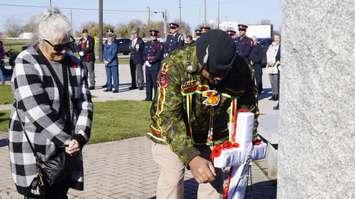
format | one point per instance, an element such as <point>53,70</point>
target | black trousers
<point>258,77</point>
<point>151,74</point>
<point>132,67</point>
<point>58,191</point>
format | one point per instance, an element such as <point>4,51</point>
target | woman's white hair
<point>52,24</point>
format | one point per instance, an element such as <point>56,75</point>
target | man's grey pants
<point>171,179</point>
<point>140,76</point>
<point>275,83</point>
<point>91,72</point>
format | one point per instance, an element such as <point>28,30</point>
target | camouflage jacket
<point>179,118</point>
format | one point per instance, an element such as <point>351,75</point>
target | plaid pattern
<point>39,102</point>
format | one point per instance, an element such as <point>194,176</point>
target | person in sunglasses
<point>231,33</point>
<point>243,42</point>
<point>174,40</point>
<point>51,116</point>
<point>180,120</point>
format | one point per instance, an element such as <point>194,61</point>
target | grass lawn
<point>4,121</point>
<point>5,94</point>
<point>119,120</point>
<point>16,45</point>
<point>113,120</point>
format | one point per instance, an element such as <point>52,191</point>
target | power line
<point>74,8</point>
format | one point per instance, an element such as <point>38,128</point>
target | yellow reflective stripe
<point>161,99</point>
<point>157,138</point>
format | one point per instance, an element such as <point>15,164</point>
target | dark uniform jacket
<point>243,46</point>
<point>153,51</point>
<point>173,42</point>
<point>179,118</point>
<point>257,54</point>
<point>137,51</point>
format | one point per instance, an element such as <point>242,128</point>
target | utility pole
<point>205,12</point>
<point>148,17</point>
<point>180,12</point>
<point>101,21</point>
<point>71,19</point>
<point>71,16</point>
<point>164,14</point>
<point>219,13</point>
<point>165,17</point>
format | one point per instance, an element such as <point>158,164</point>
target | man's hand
<point>202,170</point>
<point>73,147</point>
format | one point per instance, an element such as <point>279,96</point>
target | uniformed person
<point>153,54</point>
<point>244,44</point>
<point>231,33</point>
<point>205,29</point>
<point>180,119</point>
<point>197,34</point>
<point>174,40</point>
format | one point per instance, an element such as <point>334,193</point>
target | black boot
<point>276,107</point>
<point>272,97</point>
<point>276,97</point>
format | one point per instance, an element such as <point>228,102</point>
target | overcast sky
<point>241,11</point>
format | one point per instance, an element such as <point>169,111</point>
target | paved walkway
<point>125,169</point>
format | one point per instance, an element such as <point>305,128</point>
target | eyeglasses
<point>241,29</point>
<point>61,47</point>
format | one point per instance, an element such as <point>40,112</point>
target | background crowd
<point>62,112</point>
<point>146,54</point>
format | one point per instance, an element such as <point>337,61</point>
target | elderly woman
<point>111,63</point>
<point>52,113</point>
<point>273,63</point>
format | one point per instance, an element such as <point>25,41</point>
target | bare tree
<point>13,27</point>
<point>31,25</point>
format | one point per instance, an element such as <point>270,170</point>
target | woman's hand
<point>73,147</point>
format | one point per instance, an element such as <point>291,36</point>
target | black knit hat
<point>215,50</point>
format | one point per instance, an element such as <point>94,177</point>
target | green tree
<point>93,28</point>
<point>124,30</point>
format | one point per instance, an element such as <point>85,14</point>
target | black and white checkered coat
<point>38,97</point>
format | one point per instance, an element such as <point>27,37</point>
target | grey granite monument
<point>317,104</point>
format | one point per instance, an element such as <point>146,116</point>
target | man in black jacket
<point>256,57</point>
<point>136,60</point>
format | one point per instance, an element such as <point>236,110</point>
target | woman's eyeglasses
<point>61,47</point>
